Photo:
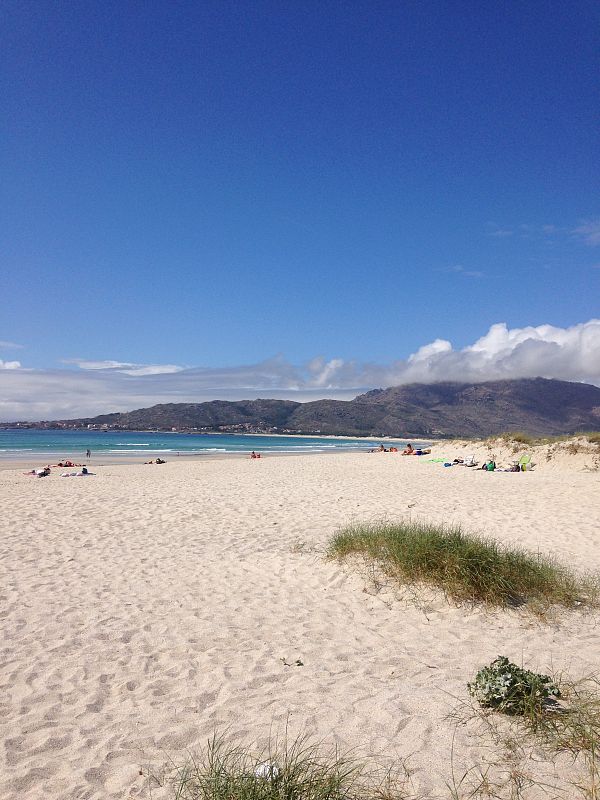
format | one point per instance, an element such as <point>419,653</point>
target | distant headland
<point>536,406</point>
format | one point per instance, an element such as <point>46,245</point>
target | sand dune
<point>146,607</point>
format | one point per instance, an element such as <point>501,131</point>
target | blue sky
<point>212,185</point>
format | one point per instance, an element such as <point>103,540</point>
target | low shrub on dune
<point>466,567</point>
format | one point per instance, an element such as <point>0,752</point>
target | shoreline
<point>114,460</point>
<point>571,455</point>
<point>10,463</point>
<point>19,459</point>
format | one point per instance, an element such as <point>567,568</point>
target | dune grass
<point>302,770</point>
<point>466,567</point>
<point>287,770</point>
<point>518,437</point>
<point>592,436</point>
<point>575,726</point>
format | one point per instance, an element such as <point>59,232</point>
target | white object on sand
<point>267,770</point>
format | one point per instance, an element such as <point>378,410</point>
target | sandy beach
<point>146,607</point>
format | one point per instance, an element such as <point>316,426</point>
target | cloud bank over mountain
<point>96,387</point>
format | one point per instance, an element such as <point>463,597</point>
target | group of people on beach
<point>45,471</point>
<point>64,463</point>
<point>409,450</point>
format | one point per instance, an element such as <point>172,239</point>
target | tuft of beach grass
<point>466,567</point>
<point>287,770</point>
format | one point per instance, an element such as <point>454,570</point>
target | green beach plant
<point>511,689</point>
<point>466,567</point>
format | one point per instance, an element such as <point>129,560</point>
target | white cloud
<point>10,364</point>
<point>103,386</point>
<point>322,372</point>
<point>460,270</point>
<point>501,233</point>
<point>589,231</point>
<point>126,368</point>
<point>429,351</point>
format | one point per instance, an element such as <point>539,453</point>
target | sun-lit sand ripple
<point>146,607</point>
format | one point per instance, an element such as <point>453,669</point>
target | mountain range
<point>535,406</point>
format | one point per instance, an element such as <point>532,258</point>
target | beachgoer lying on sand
<point>83,474</point>
<point>490,466</point>
<point>148,462</point>
<point>393,449</point>
<point>409,450</point>
<point>160,461</point>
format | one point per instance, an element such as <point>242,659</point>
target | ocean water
<point>18,443</point>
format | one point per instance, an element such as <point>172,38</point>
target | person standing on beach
<point>88,453</point>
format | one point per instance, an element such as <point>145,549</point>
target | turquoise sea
<point>19,443</point>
